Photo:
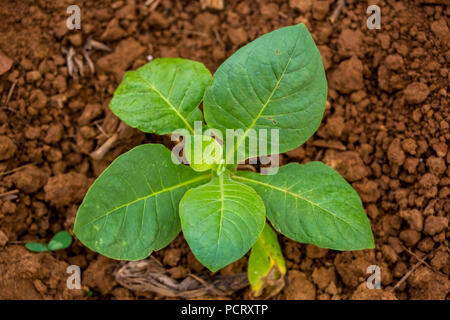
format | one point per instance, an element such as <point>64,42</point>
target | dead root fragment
<point>409,273</point>
<point>11,90</point>
<point>89,61</point>
<point>100,153</point>
<point>150,276</point>
<point>75,63</point>
<point>337,11</point>
<point>10,195</point>
<point>153,4</point>
<point>79,64</point>
<point>16,169</point>
<point>72,68</point>
<point>92,44</point>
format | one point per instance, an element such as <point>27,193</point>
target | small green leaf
<point>61,240</point>
<point>202,152</point>
<point>312,203</point>
<point>266,266</point>
<point>275,82</point>
<point>36,247</point>
<point>132,207</point>
<point>221,220</point>
<point>162,95</point>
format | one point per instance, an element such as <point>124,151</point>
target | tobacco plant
<point>274,87</point>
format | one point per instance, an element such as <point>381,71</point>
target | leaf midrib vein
<point>286,191</point>
<point>150,195</point>
<point>263,107</point>
<point>152,87</point>
<point>222,199</point>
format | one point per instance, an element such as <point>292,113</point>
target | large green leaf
<point>162,95</point>
<point>132,207</point>
<point>312,203</point>
<point>266,266</point>
<point>275,82</point>
<point>221,220</point>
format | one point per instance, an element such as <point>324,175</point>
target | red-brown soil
<point>386,130</point>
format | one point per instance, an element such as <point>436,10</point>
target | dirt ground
<point>386,130</point>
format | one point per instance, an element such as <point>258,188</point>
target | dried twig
<point>208,286</point>
<point>9,193</point>
<point>15,169</point>
<point>79,64</point>
<point>219,39</point>
<point>153,4</point>
<point>424,262</point>
<point>75,64</point>
<point>71,68</point>
<point>337,11</point>
<point>9,109</point>
<point>150,276</point>
<point>11,90</point>
<point>100,128</point>
<point>104,148</point>
<point>92,44</point>
<point>88,60</point>
<point>408,274</point>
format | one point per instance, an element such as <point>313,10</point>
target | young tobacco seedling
<point>61,240</point>
<point>143,199</point>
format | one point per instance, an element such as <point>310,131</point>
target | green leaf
<point>132,207</point>
<point>61,240</point>
<point>266,266</point>
<point>275,82</point>
<point>202,152</point>
<point>312,203</point>
<point>221,220</point>
<point>162,95</point>
<point>36,247</point>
